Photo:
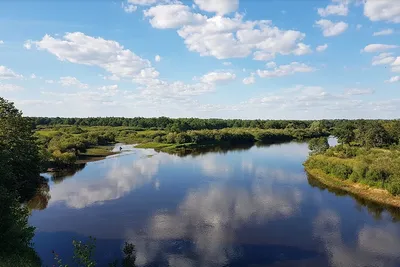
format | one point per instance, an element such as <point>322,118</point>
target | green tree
<point>318,145</point>
<point>18,152</point>
<point>345,132</point>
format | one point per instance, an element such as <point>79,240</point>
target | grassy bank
<point>373,173</point>
<point>380,196</point>
<point>95,154</point>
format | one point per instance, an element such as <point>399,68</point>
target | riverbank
<point>95,154</point>
<point>377,195</point>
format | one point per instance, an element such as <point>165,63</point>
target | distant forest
<point>184,124</point>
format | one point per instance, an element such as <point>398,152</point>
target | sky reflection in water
<point>246,207</point>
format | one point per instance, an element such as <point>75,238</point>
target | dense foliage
<point>177,125</point>
<point>368,153</point>
<point>19,179</point>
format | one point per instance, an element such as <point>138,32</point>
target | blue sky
<point>202,58</point>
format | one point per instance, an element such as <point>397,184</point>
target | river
<point>246,207</point>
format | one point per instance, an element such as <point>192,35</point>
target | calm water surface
<point>247,207</point>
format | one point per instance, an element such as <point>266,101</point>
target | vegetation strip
<point>373,194</point>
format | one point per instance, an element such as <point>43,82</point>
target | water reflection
<point>119,180</point>
<point>251,207</point>
<point>375,209</point>
<point>210,217</point>
<point>375,246</point>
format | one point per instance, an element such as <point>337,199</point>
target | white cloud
<point>271,64</point>
<point>110,55</point>
<point>6,73</point>
<point>383,32</point>
<point>330,28</point>
<point>339,10</point>
<point>72,81</point>
<point>227,63</point>
<point>396,62</point>
<point>302,49</point>
<point>285,70</point>
<point>378,47</point>
<point>49,81</point>
<point>358,91</point>
<point>110,89</point>
<point>9,88</point>
<point>33,76</point>
<point>393,79</point>
<point>129,8</point>
<point>221,7</point>
<point>218,77</point>
<point>358,27</point>
<point>383,59</point>
<point>249,80</point>
<point>172,16</point>
<point>382,10</point>
<point>28,44</point>
<point>157,58</point>
<point>227,37</point>
<point>321,48</point>
<point>263,56</point>
<point>1,42</point>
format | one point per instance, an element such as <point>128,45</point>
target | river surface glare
<point>252,206</point>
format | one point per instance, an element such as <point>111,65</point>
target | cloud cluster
<point>72,81</point>
<point>330,28</point>
<point>225,37</point>
<point>382,10</point>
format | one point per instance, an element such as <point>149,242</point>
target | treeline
<point>367,133</point>
<point>175,125</point>
<point>230,136</point>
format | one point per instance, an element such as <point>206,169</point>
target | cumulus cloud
<point>72,81</point>
<point>285,70</point>
<point>321,48</point>
<point>218,77</point>
<point>330,28</point>
<point>382,10</point>
<point>393,79</point>
<point>6,73</point>
<point>383,32</point>
<point>33,76</point>
<point>227,37</point>
<point>83,49</point>
<point>221,7</point>
<point>1,42</point>
<point>121,63</point>
<point>249,80</point>
<point>339,10</point>
<point>371,48</point>
<point>157,58</point>
<point>383,59</point>
<point>172,16</point>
